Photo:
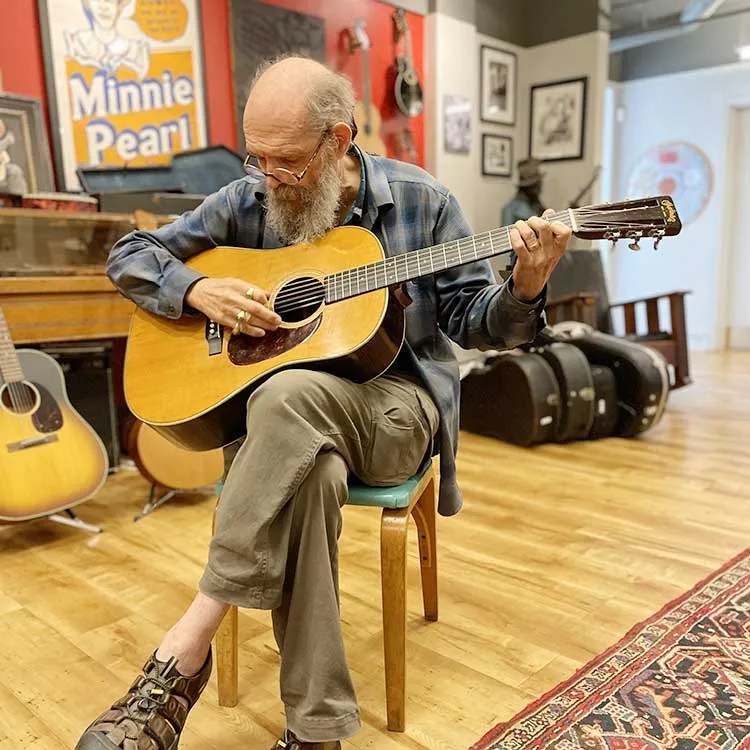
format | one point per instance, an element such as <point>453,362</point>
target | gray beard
<point>299,214</point>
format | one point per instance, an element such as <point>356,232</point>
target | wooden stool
<point>415,497</point>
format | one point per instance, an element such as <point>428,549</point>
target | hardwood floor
<point>559,550</point>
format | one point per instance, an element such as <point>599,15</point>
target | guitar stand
<point>71,519</point>
<point>153,502</point>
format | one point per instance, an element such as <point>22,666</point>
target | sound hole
<point>299,299</point>
<point>20,398</point>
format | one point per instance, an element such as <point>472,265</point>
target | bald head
<point>300,94</point>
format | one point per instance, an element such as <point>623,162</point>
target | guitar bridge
<point>21,445</point>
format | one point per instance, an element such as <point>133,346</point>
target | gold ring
<point>236,329</point>
<point>250,293</point>
<point>241,315</point>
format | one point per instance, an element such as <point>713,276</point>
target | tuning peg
<point>658,235</point>
<point>612,237</point>
<point>635,237</point>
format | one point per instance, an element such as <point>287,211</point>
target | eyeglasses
<point>253,168</point>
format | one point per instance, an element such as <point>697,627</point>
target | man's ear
<point>343,133</point>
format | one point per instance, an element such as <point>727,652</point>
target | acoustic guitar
<point>407,89</point>
<point>164,464</point>
<point>366,115</point>
<point>50,458</point>
<point>190,378</point>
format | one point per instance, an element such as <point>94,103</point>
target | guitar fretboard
<point>10,367</point>
<point>400,268</point>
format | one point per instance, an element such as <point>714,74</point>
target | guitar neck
<point>366,95</point>
<point>429,260</point>
<point>10,367</point>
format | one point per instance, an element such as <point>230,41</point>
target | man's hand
<point>234,303</point>
<point>539,245</point>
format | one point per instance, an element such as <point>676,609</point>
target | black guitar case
<point>641,375</point>
<point>514,397</point>
<point>573,375</point>
<point>605,402</point>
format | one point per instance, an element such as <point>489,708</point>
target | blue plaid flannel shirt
<point>406,209</point>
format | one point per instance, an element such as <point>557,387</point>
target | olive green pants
<point>278,523</point>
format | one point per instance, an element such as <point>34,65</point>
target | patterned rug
<point>679,680</point>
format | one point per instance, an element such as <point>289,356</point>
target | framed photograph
<point>125,82</point>
<point>497,93</point>
<point>558,120</point>
<point>25,165</point>
<point>497,155</point>
<point>456,123</point>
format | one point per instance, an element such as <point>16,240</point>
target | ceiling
<point>638,15</point>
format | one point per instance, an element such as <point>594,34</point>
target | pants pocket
<point>398,441</point>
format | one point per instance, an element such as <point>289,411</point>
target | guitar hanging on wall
<point>190,379</point>
<point>366,114</point>
<point>407,89</point>
<point>50,458</point>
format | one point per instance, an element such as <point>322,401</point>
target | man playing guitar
<point>279,519</point>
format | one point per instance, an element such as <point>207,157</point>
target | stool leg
<point>393,536</point>
<point>424,517</point>
<point>226,648</point>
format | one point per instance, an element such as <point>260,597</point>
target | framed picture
<point>125,82</point>
<point>558,120</point>
<point>456,124</point>
<point>497,155</point>
<point>497,93</point>
<point>25,165</point>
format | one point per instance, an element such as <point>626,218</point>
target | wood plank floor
<point>558,552</point>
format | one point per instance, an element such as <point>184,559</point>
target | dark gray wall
<point>713,43</point>
<point>531,22</point>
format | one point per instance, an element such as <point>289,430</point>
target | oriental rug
<point>679,680</point>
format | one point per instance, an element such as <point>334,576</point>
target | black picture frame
<point>25,163</point>
<point>497,155</point>
<point>557,120</point>
<point>497,103</point>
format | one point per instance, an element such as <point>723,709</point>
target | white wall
<point>693,107</point>
<point>452,71</point>
<point>584,55</point>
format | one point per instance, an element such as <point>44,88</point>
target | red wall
<point>23,69</point>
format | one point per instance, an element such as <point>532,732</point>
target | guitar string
<point>314,291</point>
<point>297,295</point>
<point>453,249</point>
<point>313,288</point>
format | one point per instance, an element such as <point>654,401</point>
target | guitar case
<point>577,393</point>
<point>605,402</point>
<point>641,375</point>
<point>513,396</point>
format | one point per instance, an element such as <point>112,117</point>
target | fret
<point>406,266</point>
<point>10,366</point>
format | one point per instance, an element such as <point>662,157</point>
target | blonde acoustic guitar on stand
<point>50,458</point>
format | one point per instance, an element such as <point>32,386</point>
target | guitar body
<point>168,465</point>
<point>369,122</point>
<point>199,400</point>
<point>50,458</point>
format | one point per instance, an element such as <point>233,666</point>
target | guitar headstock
<point>359,35</point>
<point>399,23</point>
<point>653,217</point>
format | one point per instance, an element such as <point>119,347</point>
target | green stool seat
<point>384,497</point>
<point>398,496</point>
